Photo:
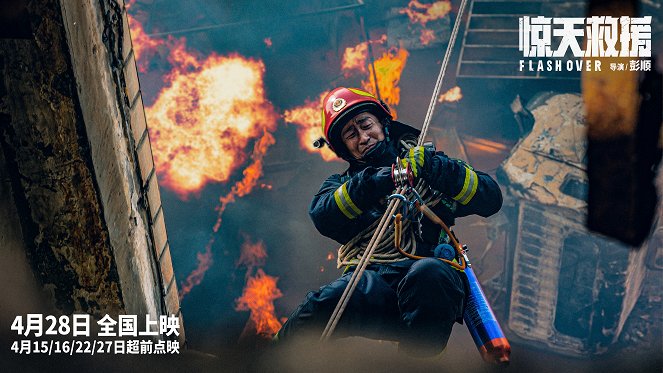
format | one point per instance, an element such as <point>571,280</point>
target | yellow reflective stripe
<point>360,92</point>
<point>475,184</point>
<point>340,205</point>
<point>420,151</point>
<point>469,187</point>
<point>345,204</point>
<point>353,207</point>
<point>323,121</point>
<point>465,185</point>
<point>416,159</point>
<point>413,162</point>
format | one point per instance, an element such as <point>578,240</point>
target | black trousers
<point>415,302</point>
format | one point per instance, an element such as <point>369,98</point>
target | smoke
<point>300,64</point>
<point>243,187</point>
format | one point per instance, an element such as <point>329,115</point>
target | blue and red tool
<point>483,326</point>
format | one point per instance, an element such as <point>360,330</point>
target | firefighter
<point>415,302</point>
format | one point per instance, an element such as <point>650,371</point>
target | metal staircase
<point>490,42</point>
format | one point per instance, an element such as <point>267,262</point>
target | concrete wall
<point>78,156</point>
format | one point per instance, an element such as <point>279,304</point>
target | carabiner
<point>404,205</point>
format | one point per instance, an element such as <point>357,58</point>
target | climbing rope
<point>440,76</point>
<point>385,252</point>
<point>376,241</point>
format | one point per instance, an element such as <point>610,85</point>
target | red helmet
<point>340,105</point>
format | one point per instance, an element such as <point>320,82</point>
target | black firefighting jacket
<point>350,202</point>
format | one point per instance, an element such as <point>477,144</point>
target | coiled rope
<point>385,252</point>
<point>383,224</point>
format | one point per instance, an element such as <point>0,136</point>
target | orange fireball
<point>203,120</point>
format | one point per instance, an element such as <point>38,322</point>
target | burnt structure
<point>78,180</point>
<point>566,289</point>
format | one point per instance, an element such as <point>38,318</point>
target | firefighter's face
<point>361,134</point>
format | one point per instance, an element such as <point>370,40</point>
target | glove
<point>419,159</point>
<point>383,181</point>
<point>376,183</point>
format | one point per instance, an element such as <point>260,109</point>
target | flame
<point>354,58</point>
<point>421,14</point>
<point>307,120</point>
<point>388,69</point>
<point>424,13</point>
<point>196,276</point>
<point>330,256</point>
<point>452,95</point>
<point>253,254</point>
<point>200,124</point>
<point>251,175</point>
<point>241,188</point>
<point>260,290</point>
<point>202,121</point>
<point>144,47</point>
<point>258,297</point>
<point>207,113</point>
<point>427,36</point>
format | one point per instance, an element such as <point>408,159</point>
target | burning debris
<point>452,95</point>
<point>423,13</point>
<point>260,291</point>
<point>420,14</point>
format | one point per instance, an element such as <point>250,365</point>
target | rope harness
<point>378,248</point>
<point>386,252</point>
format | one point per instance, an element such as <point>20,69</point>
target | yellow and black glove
<point>419,160</point>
